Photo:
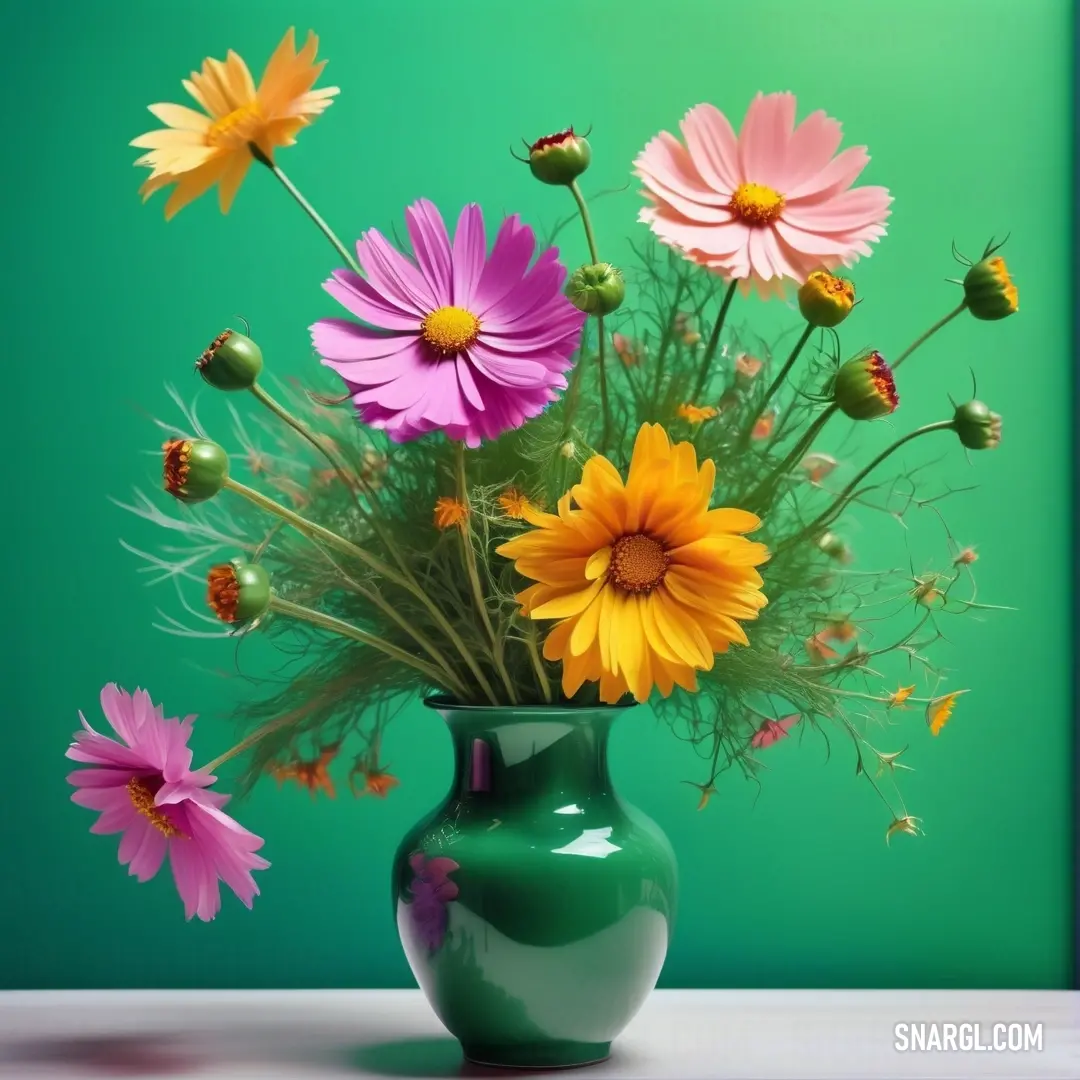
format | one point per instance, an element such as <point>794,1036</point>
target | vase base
<point>556,1054</point>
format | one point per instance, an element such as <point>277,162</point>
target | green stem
<point>469,554</point>
<point>586,220</point>
<point>604,403</point>
<point>301,429</point>
<point>929,334</point>
<point>291,188</point>
<point>775,385</point>
<point>351,483</point>
<point>796,452</point>
<point>668,336</point>
<point>310,528</point>
<point>573,391</point>
<point>841,500</point>
<point>537,662</point>
<point>376,599</point>
<point>344,629</point>
<point>714,342</point>
<point>372,562</point>
<point>249,741</point>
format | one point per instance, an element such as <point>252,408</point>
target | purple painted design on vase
<point>431,890</point>
<point>480,776</point>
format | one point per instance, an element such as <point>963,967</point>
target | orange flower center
<point>177,457</point>
<point>142,798</point>
<point>638,563</point>
<point>233,130</point>
<point>223,592</point>
<point>756,204</point>
<point>448,330</point>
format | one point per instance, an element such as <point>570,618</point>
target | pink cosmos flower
<point>773,203</point>
<point>144,788</point>
<point>456,339</point>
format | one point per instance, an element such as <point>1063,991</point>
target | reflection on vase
<point>534,905</point>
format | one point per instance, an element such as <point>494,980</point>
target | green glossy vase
<point>534,904</point>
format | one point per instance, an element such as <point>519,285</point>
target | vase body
<point>534,905</point>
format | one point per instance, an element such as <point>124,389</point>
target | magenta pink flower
<point>456,340</point>
<point>770,204</point>
<point>144,788</point>
<point>431,890</point>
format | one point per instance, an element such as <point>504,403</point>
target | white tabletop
<point>684,1034</point>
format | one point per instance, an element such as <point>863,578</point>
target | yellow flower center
<point>756,204</point>
<point>638,563</point>
<point>448,330</point>
<point>142,798</point>
<point>235,128</point>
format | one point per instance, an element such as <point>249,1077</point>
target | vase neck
<point>506,753</point>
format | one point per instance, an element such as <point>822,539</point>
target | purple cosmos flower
<point>431,890</point>
<point>144,788</point>
<point>456,340</point>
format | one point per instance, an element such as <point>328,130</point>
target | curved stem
<point>841,500</point>
<point>310,528</point>
<point>775,385</point>
<point>344,629</point>
<point>800,448</point>
<point>249,741</point>
<point>469,555</point>
<point>291,188</point>
<point>373,562</point>
<point>283,414</point>
<point>714,342</point>
<point>351,483</point>
<point>929,333</point>
<point>586,220</point>
<point>604,403</point>
<point>376,599</point>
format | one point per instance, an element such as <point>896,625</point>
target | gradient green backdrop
<point>965,106</point>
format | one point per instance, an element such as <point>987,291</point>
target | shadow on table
<point>186,1055</point>
<point>424,1057</point>
<point>143,1056</point>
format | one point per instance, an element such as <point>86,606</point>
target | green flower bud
<point>559,158</point>
<point>825,300</point>
<point>238,591</point>
<point>597,290</point>
<point>977,426</point>
<point>989,290</point>
<point>864,388</point>
<point>232,361</point>
<point>195,469</point>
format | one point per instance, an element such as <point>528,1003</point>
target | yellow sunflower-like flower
<point>647,582</point>
<point>199,149</point>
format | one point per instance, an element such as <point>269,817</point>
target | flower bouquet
<point>537,496</point>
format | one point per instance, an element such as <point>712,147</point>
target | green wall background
<point>965,106</point>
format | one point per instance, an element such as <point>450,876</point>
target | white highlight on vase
<point>592,843</point>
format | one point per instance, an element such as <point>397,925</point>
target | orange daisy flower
<point>513,503</point>
<point>313,775</point>
<point>696,414</point>
<point>646,582</point>
<point>197,150</point>
<point>450,512</point>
